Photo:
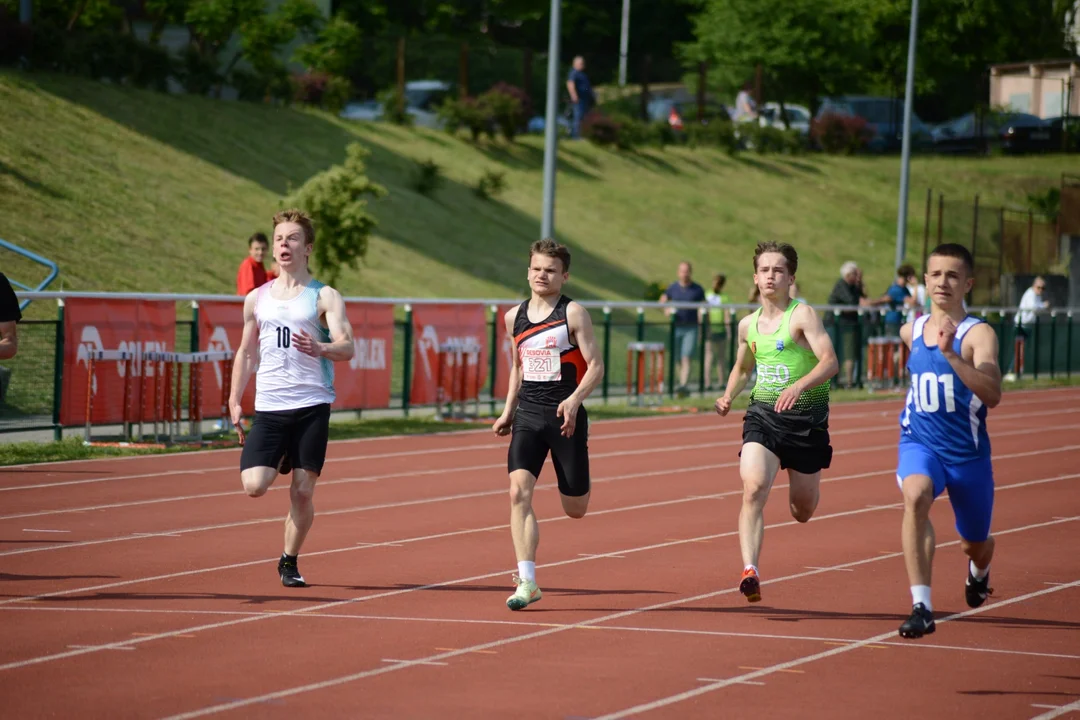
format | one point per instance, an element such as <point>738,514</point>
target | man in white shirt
<point>1031,301</point>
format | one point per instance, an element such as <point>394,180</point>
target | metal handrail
<point>54,270</point>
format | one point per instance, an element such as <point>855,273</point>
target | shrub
<point>457,113</point>
<point>491,183</point>
<point>653,291</point>
<point>600,128</point>
<point>716,133</point>
<point>840,133</point>
<point>507,106</point>
<point>428,177</point>
<point>336,199</point>
<point>394,110</point>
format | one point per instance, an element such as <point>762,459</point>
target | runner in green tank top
<point>786,425</point>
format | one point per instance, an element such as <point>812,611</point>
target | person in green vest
<point>716,348</point>
<point>786,425</point>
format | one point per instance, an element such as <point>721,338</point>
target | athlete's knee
<point>803,509</point>
<point>302,491</point>
<point>521,489</point>
<point>918,495</point>
<point>575,507</point>
<point>755,492</point>
<point>255,483</point>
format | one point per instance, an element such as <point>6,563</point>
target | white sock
<point>979,574</point>
<point>921,594</point>
<point>751,567</point>
<point>527,570</point>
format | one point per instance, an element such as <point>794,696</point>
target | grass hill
<point>133,190</point>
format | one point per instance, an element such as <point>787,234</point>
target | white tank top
<point>287,379</point>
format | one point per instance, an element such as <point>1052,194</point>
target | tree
<point>807,48</point>
<point>337,201</point>
<point>957,42</point>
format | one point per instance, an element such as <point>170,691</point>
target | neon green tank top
<point>780,362</point>
<point>716,315</point>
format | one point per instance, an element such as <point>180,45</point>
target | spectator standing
<point>716,349</point>
<point>1031,301</point>
<point>684,290</point>
<point>252,272</point>
<point>582,98</point>
<point>848,291</point>
<point>898,298</point>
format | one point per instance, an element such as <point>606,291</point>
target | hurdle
<point>886,362</point>
<point>644,372</point>
<point>158,379</point>
<point>452,369</point>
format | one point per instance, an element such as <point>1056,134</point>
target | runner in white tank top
<point>287,379</point>
<point>294,328</point>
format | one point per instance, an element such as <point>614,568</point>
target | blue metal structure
<point>54,270</point>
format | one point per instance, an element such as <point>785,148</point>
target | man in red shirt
<point>252,273</point>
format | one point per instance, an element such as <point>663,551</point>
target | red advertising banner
<point>436,325</point>
<point>504,346</point>
<point>221,326</point>
<point>90,324</point>
<point>362,382</point>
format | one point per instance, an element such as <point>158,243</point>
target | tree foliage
<point>337,201</point>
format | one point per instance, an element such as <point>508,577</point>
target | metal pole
<point>25,11</point>
<point>547,226</point>
<point>624,42</point>
<point>905,159</point>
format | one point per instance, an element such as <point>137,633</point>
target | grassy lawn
<point>73,448</point>
<point>132,190</point>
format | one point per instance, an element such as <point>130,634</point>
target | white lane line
<point>392,593</point>
<point>618,616</point>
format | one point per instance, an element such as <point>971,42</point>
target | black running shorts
<point>536,431</point>
<point>801,441</point>
<point>302,433</point>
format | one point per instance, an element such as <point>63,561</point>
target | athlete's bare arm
<point>580,326</point>
<point>247,357</point>
<point>506,420</point>
<point>9,340</point>
<point>740,372</point>
<point>978,367</point>
<point>340,347</point>
<point>905,333</point>
<point>806,324</point>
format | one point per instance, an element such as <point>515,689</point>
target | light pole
<point>905,152</point>
<point>551,135</point>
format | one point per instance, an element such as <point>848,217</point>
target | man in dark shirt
<point>582,98</point>
<point>686,320</point>
<point>9,315</point>
<point>848,291</point>
<point>9,338</point>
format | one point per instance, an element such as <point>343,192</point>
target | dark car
<point>885,118</point>
<point>1017,133</point>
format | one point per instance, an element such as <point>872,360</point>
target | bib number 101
<point>924,388</point>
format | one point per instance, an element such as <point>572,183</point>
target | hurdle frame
<point>643,383</point>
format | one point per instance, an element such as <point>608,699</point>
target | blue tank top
<point>941,413</point>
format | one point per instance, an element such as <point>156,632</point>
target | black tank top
<point>551,365</point>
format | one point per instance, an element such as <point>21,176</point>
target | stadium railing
<point>396,367</point>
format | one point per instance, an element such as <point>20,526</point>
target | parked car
<point>422,100</point>
<point>885,117</point>
<point>678,111</point>
<point>798,117</point>
<point>1010,132</point>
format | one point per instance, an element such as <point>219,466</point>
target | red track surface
<point>146,587</point>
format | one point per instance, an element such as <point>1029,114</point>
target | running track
<point>146,587</point>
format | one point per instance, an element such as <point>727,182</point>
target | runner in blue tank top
<point>944,444</point>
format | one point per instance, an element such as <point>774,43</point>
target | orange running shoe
<point>750,586</point>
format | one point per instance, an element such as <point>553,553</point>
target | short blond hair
<point>299,217</point>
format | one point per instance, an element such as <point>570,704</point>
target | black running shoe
<point>920,623</point>
<point>290,573</point>
<point>284,467</point>
<point>976,591</point>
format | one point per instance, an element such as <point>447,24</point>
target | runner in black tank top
<point>546,351</point>
<point>556,366</point>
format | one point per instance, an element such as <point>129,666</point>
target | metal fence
<point>32,381</point>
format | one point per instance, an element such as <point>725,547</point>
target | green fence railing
<point>31,383</point>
